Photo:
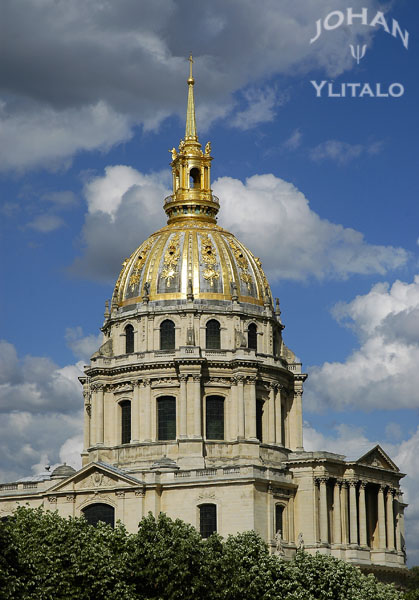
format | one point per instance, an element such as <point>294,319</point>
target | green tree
<point>46,557</point>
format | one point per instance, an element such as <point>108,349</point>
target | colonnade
<point>359,513</point>
<point>280,423</point>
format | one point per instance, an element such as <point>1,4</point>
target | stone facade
<point>193,400</point>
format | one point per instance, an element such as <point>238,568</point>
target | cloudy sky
<point>322,187</point>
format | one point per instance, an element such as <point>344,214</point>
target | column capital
<point>146,382</point>
<point>382,488</point>
<point>353,482</point>
<point>196,377</point>
<point>183,377</point>
<point>251,380</point>
<point>345,483</point>
<point>362,485</point>
<point>322,479</point>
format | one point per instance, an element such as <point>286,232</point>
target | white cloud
<point>296,242</point>
<point>46,223</point>
<point>382,372</point>
<point>48,137</point>
<point>82,346</point>
<point>128,205</point>
<point>342,152</point>
<point>294,141</point>
<point>87,74</point>
<point>260,108</point>
<point>40,413</point>
<point>35,383</point>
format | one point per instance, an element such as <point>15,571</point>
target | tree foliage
<point>46,557</point>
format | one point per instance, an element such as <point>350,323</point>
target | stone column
<point>362,515</point>
<point>278,415</point>
<point>240,407</point>
<point>398,519</point>
<point>99,414</point>
<point>271,415</point>
<point>324,526</point>
<point>233,416</point>
<point>87,420</point>
<point>148,435</point>
<point>135,413</point>
<point>390,520</point>
<point>296,424</point>
<point>183,414</point>
<point>250,417</point>
<point>344,512</point>
<point>197,406</point>
<point>353,514</point>
<point>381,519</point>
<point>337,525</point>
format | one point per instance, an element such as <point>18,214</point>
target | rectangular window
<point>259,420</point>
<point>207,519</point>
<point>125,422</point>
<point>214,418</point>
<point>166,418</point>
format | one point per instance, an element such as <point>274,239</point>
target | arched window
<point>129,339</point>
<point>207,519</point>
<point>195,178</point>
<point>279,518</point>
<point>213,335</point>
<point>125,421</point>
<point>167,335</point>
<point>259,420</point>
<point>252,337</point>
<point>166,418</point>
<point>214,417</point>
<point>99,512</point>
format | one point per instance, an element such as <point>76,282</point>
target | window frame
<point>94,505</point>
<point>212,420</point>
<point>254,336</point>
<point>213,338</point>
<point>205,530</point>
<point>168,337</point>
<point>129,339</point>
<point>126,421</point>
<point>166,423</point>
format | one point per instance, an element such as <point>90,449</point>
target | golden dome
<point>192,258</point>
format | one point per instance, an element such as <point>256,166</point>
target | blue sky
<point>323,189</point>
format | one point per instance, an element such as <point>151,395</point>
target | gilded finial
<point>190,132</point>
<point>191,79</point>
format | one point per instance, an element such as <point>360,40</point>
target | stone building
<point>193,403</point>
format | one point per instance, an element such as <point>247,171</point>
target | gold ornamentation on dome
<point>136,274</point>
<point>243,265</point>
<point>171,258</point>
<point>207,148</point>
<point>262,274</point>
<point>118,283</point>
<point>181,146</point>
<point>174,153</point>
<point>209,257</point>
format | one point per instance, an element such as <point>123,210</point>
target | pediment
<point>94,476</point>
<point>378,458</point>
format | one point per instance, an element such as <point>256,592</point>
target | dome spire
<point>190,131</point>
<point>192,197</point>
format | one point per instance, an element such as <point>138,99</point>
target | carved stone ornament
<point>140,493</point>
<point>70,497</point>
<point>52,499</point>
<point>209,258</point>
<point>120,494</point>
<point>205,496</point>
<point>171,259</point>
